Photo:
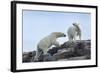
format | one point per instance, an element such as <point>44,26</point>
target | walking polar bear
<point>74,31</point>
<point>47,42</point>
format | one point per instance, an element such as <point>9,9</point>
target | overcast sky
<point>38,24</point>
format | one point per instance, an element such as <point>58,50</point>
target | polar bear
<point>74,31</point>
<point>47,42</point>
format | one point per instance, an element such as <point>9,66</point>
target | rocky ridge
<point>70,50</point>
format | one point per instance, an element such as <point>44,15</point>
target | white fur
<point>74,31</point>
<point>48,41</point>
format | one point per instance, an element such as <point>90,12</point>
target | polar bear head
<point>77,25</point>
<point>58,34</point>
<point>78,29</point>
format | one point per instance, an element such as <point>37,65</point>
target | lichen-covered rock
<point>69,44</point>
<point>48,57</point>
<point>83,48</point>
<point>70,50</point>
<point>78,58</point>
<point>61,54</point>
<point>54,50</point>
<point>28,56</point>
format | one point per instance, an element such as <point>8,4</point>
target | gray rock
<point>70,50</point>
<point>54,50</point>
<point>83,48</point>
<point>61,54</point>
<point>74,49</point>
<point>78,58</point>
<point>28,56</point>
<point>48,57</point>
<point>68,44</point>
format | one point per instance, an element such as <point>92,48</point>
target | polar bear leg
<point>74,37</point>
<point>70,37</point>
<point>80,36</point>
<point>45,51</point>
<point>39,53</point>
<point>36,56</point>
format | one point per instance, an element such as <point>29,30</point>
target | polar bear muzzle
<point>64,35</point>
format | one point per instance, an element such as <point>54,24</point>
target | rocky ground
<point>76,50</point>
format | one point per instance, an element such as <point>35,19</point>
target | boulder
<point>70,50</point>
<point>54,50</point>
<point>75,49</point>
<point>78,58</point>
<point>48,57</point>
<point>83,48</point>
<point>28,56</point>
<point>62,54</point>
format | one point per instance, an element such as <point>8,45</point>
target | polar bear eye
<point>64,35</point>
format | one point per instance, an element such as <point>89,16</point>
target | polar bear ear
<point>76,23</point>
<point>54,33</point>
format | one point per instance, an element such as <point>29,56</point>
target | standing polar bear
<point>74,31</point>
<point>47,42</point>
